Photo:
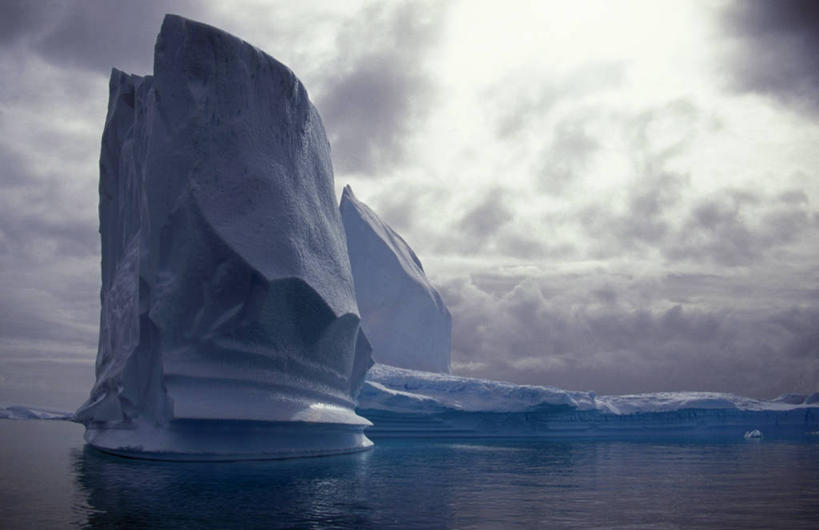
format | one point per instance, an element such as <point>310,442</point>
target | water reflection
<point>340,491</point>
<point>467,484</point>
<point>399,484</point>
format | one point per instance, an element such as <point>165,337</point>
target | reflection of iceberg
<point>229,325</point>
<point>408,403</point>
<point>404,317</point>
<point>343,492</point>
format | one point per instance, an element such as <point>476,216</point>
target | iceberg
<point>403,316</point>
<point>408,403</point>
<point>229,327</point>
<point>22,412</point>
<point>753,435</point>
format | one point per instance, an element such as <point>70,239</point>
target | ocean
<point>49,479</point>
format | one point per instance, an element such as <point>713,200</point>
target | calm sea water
<point>48,479</point>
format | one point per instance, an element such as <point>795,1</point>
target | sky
<point>610,196</point>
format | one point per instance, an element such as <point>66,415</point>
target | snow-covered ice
<point>404,317</point>
<point>404,403</point>
<point>229,324</point>
<point>410,391</point>
<point>21,412</point>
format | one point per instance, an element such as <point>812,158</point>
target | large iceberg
<point>407,403</point>
<point>404,317</point>
<point>229,326</point>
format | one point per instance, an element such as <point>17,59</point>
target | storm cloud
<point>377,89</point>
<point>777,53</point>
<point>55,62</point>
<point>92,35</point>
<point>626,334</point>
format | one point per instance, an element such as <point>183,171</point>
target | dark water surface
<point>48,479</point>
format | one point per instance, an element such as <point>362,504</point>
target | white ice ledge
<point>229,440</point>
<point>395,389</point>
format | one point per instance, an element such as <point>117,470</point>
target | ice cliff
<point>229,326</point>
<point>404,317</point>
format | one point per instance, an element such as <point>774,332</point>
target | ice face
<point>404,317</point>
<point>227,294</point>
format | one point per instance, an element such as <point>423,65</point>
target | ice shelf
<point>408,403</point>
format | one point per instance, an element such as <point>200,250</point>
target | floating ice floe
<point>753,435</point>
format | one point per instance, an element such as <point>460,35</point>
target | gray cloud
<point>55,58</point>
<point>19,18</point>
<point>37,212</point>
<point>530,246</point>
<point>49,258</point>
<point>489,228</point>
<point>643,224</point>
<point>618,335</point>
<point>803,328</point>
<point>485,219</point>
<point>659,215</point>
<point>401,204</point>
<point>656,135</point>
<point>739,227</point>
<point>399,208</point>
<point>726,228</point>
<point>517,112</point>
<point>14,172</point>
<point>98,34</point>
<point>569,153</point>
<point>376,90</point>
<point>778,53</point>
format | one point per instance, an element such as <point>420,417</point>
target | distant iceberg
<point>21,412</point>
<point>409,403</point>
<point>756,434</point>
<point>404,317</point>
<point>229,325</point>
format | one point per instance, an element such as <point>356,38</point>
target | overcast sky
<point>610,196</point>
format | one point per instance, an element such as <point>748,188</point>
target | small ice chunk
<point>755,434</point>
